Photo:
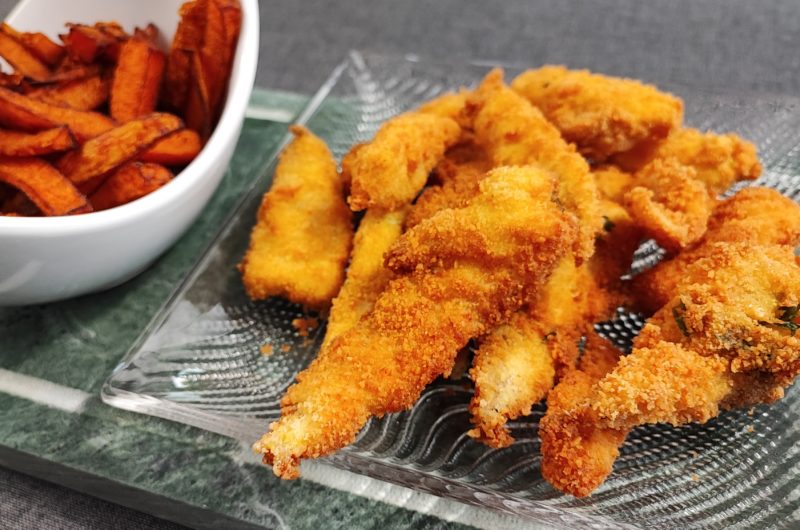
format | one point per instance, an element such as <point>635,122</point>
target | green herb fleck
<point>677,314</point>
<point>787,317</point>
<point>788,312</point>
<point>608,224</point>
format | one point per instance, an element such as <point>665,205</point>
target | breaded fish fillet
<point>578,454</point>
<point>459,174</point>
<point>753,215</point>
<point>461,273</point>
<point>601,115</point>
<point>512,370</point>
<point>301,241</point>
<point>450,105</point>
<point>517,363</point>
<point>388,172</point>
<point>726,338</point>
<point>513,132</point>
<point>719,160</point>
<point>366,275</point>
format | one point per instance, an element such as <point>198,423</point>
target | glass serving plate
<point>200,361</point>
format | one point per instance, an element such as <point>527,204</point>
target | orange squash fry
<point>38,44</point>
<point>86,44</point>
<point>137,79</point>
<point>22,112</point>
<point>42,47</point>
<point>177,149</point>
<point>223,20</point>
<point>82,94</point>
<point>14,143</point>
<point>179,62</point>
<point>10,80</point>
<point>21,59</point>
<point>198,107</point>
<point>100,155</point>
<point>128,183</point>
<point>52,193</point>
<point>68,71</point>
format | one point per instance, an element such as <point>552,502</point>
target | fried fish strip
<point>450,105</point>
<point>601,115</point>
<point>459,175</point>
<point>577,454</point>
<point>513,132</point>
<point>366,275</point>
<point>541,343</point>
<point>389,171</point>
<point>300,244</point>
<point>669,203</point>
<point>512,369</point>
<point>724,339</point>
<point>719,160</point>
<point>754,215</point>
<point>517,363</point>
<point>462,272</point>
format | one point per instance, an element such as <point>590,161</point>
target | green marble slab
<point>171,470</point>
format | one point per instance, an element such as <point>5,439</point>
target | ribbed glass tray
<point>200,360</point>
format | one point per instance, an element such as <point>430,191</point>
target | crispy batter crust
<point>601,115</point>
<point>301,241</point>
<point>390,171</point>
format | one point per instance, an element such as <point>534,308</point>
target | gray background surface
<point>737,45</point>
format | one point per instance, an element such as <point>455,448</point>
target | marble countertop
<point>735,45</point>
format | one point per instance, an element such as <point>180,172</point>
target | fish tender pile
<point>507,217</point>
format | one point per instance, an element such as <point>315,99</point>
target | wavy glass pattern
<point>201,361</point>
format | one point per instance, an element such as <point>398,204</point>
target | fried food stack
<point>509,215</point>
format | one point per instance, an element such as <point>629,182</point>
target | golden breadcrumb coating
<point>601,115</point>
<point>755,215</point>
<point>450,105</point>
<point>458,174</point>
<point>461,273</point>
<point>612,182</point>
<point>513,132</point>
<point>718,159</point>
<point>366,275</point>
<point>389,171</point>
<point>669,203</point>
<point>578,454</point>
<point>301,240</point>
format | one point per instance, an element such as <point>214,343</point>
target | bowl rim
<point>240,87</point>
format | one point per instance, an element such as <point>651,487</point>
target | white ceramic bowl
<point>47,259</point>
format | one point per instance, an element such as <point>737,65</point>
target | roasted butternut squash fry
<point>52,193</point>
<point>82,94</point>
<point>177,149</point>
<point>28,114</point>
<point>100,155</point>
<point>14,143</point>
<point>23,61</point>
<point>187,39</point>
<point>137,79</point>
<point>38,44</point>
<point>130,182</point>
